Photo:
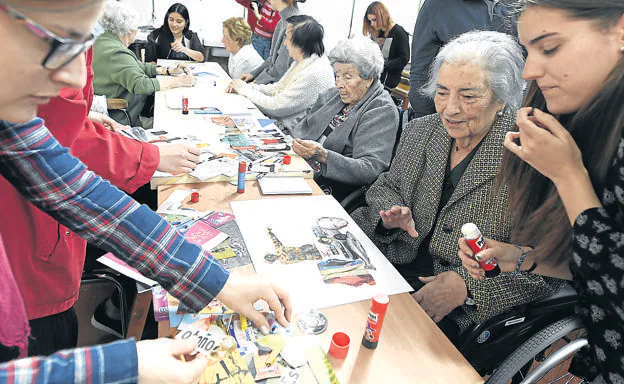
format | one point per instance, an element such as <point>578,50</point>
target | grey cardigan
<point>361,147</point>
<point>415,180</point>
<point>278,62</point>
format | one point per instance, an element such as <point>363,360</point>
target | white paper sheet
<point>284,186</point>
<point>310,227</point>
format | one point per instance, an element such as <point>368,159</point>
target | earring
<point>622,49</point>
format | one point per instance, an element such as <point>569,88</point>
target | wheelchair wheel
<point>546,356</point>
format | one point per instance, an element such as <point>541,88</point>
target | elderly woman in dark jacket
<point>443,176</point>
<point>349,133</point>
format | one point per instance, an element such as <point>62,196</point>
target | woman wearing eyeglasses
<point>118,74</point>
<point>48,53</point>
<point>174,40</point>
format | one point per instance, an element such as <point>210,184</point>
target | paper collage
<point>312,247</point>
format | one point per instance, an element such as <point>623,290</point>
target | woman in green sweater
<point>117,71</point>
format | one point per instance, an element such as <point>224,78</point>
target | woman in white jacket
<point>310,74</point>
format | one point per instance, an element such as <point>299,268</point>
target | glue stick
<point>185,109</point>
<point>477,243</point>
<point>242,168</point>
<point>375,319</point>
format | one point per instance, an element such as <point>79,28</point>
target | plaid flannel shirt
<point>49,177</point>
<point>110,363</point>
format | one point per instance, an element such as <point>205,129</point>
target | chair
<point>132,317</point>
<point>113,105</point>
<point>401,91</point>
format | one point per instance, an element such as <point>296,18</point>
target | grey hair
<point>361,52</point>
<point>119,18</point>
<point>497,53</point>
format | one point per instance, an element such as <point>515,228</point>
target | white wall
<point>334,15</point>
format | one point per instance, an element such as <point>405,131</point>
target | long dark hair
<point>539,218</point>
<point>183,11</point>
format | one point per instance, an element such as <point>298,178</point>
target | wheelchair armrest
<point>354,200</point>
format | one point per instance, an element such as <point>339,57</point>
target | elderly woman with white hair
<point>349,133</point>
<point>118,73</point>
<point>443,176</point>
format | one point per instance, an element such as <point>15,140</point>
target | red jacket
<point>267,24</point>
<point>46,258</point>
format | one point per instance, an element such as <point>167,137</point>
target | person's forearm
<point>577,194</point>
<point>195,55</point>
<point>57,183</point>
<point>115,362</point>
<point>169,82</point>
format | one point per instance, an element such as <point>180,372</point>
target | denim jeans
<point>262,45</point>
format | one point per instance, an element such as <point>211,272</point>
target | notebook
<point>284,186</point>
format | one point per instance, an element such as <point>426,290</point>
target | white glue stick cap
<point>470,231</point>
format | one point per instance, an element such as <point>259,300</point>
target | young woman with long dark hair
<point>565,168</point>
<point>174,40</point>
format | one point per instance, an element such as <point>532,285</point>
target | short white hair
<point>119,18</point>
<point>498,54</point>
<point>362,52</point>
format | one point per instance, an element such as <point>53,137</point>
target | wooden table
<point>412,349</point>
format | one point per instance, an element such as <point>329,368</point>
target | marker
<point>243,320</point>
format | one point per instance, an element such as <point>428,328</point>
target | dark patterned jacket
<point>415,180</point>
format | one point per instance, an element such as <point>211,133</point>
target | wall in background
<point>336,16</point>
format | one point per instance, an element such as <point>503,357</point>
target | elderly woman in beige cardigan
<point>443,176</point>
<point>289,98</point>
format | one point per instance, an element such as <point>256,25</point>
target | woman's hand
<point>310,149</point>
<point>235,86</point>
<point>441,294</point>
<point>399,217</point>
<point>178,46</point>
<point>240,292</point>
<point>254,9</point>
<point>179,69</point>
<point>178,158</point>
<point>159,362</point>
<point>247,77</point>
<point>546,145</point>
<point>506,256</point>
<point>186,80</point>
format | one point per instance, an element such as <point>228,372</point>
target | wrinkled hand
<point>180,68</point>
<point>310,149</point>
<point>247,77</point>
<point>242,291</point>
<point>178,47</point>
<point>234,86</point>
<point>506,255</point>
<point>159,362</point>
<point>177,158</point>
<point>187,80</point>
<point>545,145</point>
<point>399,217</point>
<point>111,124</point>
<point>441,294</point>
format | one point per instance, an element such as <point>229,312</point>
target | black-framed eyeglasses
<point>62,50</point>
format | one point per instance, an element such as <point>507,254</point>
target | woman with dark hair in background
<point>565,168</point>
<point>174,40</point>
<point>392,39</point>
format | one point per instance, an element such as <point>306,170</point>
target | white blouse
<point>244,61</point>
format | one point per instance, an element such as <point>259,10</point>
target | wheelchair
<point>530,343</point>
